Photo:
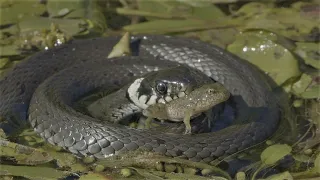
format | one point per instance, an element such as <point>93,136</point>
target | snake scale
<point>43,89</point>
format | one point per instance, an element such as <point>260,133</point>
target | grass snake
<point>43,89</point>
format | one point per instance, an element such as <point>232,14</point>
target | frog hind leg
<point>208,118</point>
<point>186,121</point>
<point>147,123</point>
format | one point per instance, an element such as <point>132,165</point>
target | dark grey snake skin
<point>71,71</point>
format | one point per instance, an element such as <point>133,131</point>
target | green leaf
<point>3,62</point>
<point>241,176</point>
<point>69,26</point>
<point>251,9</point>
<point>311,93</point>
<point>167,8</point>
<point>170,26</point>
<point>313,172</point>
<point>285,175</point>
<point>148,14</point>
<point>301,158</point>
<point>301,85</point>
<point>33,172</point>
<point>20,9</point>
<point>10,50</point>
<point>288,22</point>
<point>23,154</point>
<point>310,52</point>
<point>56,8</point>
<point>260,48</point>
<point>122,47</point>
<point>95,176</point>
<point>198,3</point>
<point>202,10</point>
<point>317,164</point>
<point>14,30</point>
<point>305,88</point>
<point>220,37</point>
<point>274,153</point>
<point>210,12</point>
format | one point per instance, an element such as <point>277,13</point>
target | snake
<point>41,91</point>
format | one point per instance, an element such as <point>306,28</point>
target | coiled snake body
<point>58,77</point>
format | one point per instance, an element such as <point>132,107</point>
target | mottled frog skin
<point>183,109</point>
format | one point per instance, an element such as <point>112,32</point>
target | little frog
<point>183,109</point>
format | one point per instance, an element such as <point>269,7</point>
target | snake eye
<point>161,88</point>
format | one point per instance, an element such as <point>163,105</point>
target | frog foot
<point>187,131</point>
<point>147,123</point>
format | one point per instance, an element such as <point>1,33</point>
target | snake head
<point>165,85</point>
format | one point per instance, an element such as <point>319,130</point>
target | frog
<point>183,109</point>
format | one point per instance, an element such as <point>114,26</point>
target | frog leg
<point>147,123</point>
<point>186,121</point>
<point>209,114</point>
<point>141,122</point>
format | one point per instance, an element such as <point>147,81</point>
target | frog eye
<point>161,88</point>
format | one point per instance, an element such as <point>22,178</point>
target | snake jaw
<point>152,100</point>
<point>134,94</point>
<point>142,101</point>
